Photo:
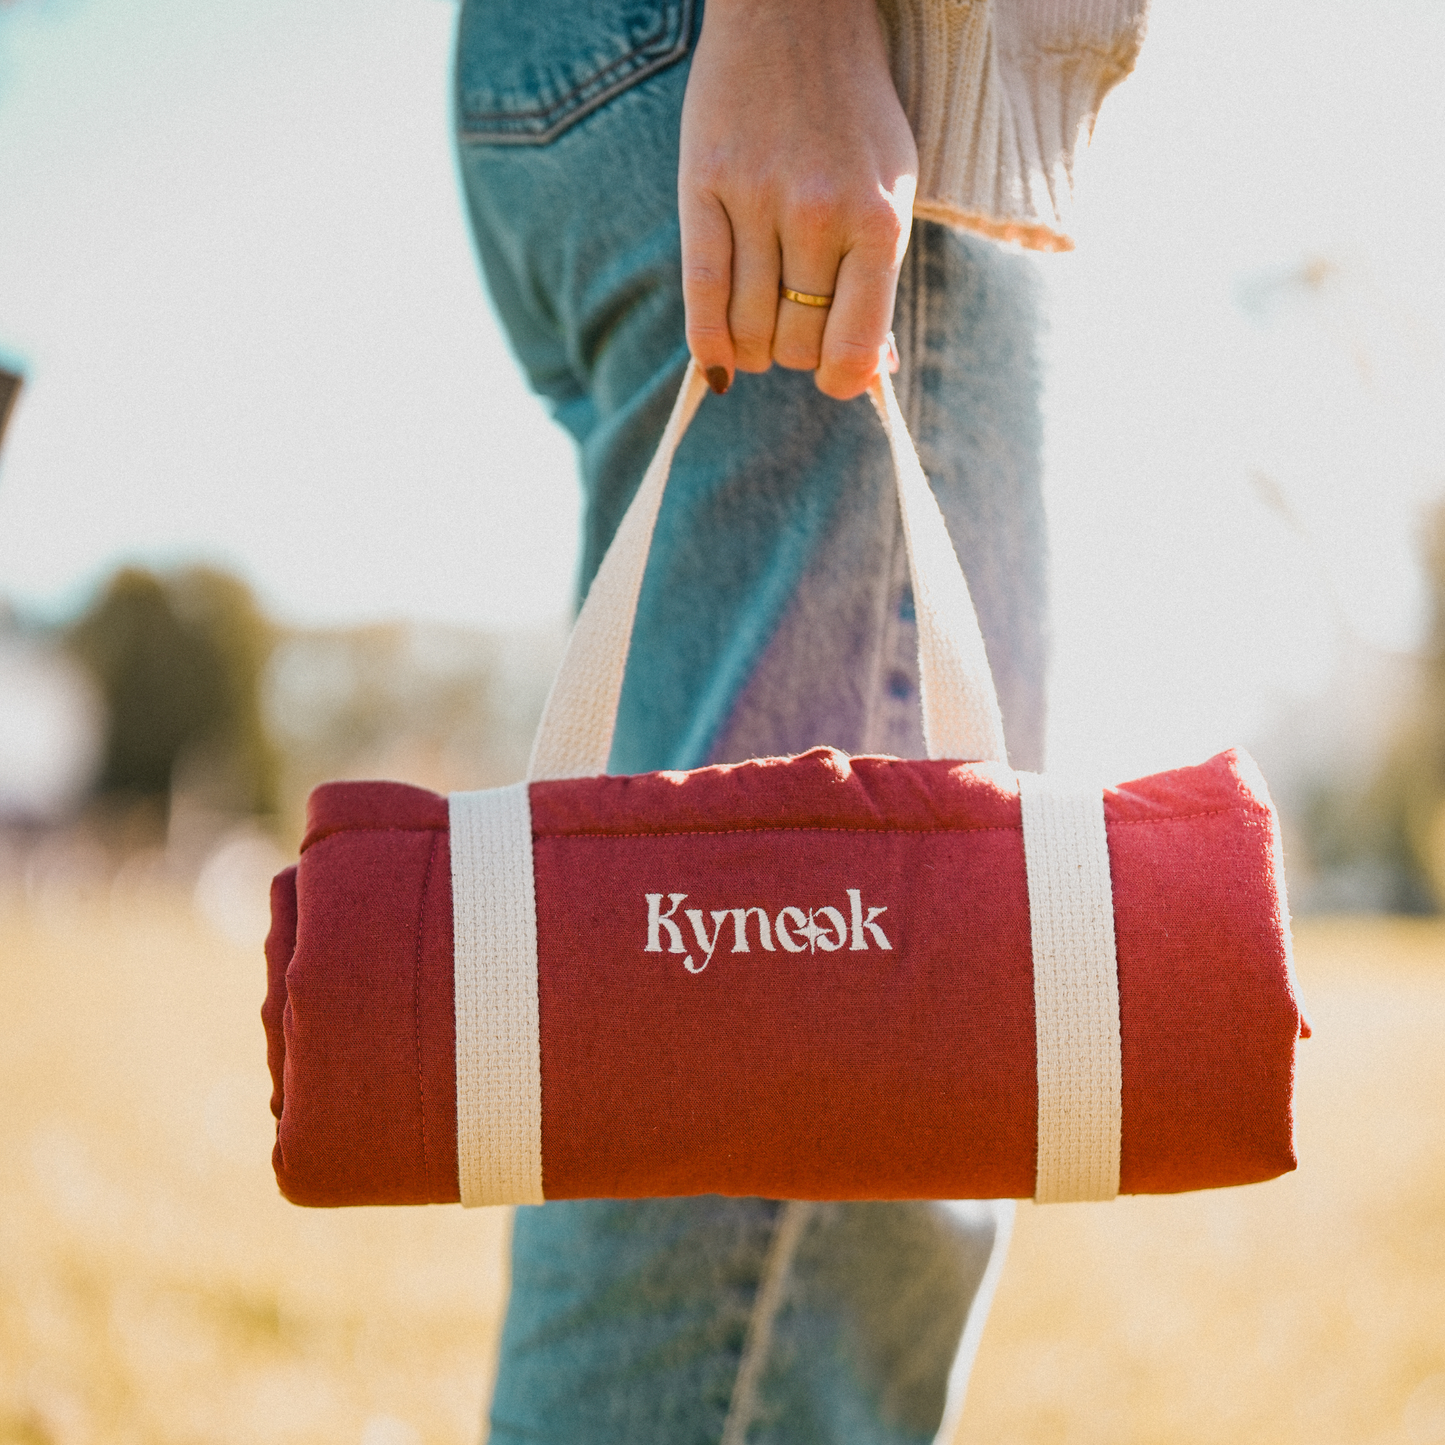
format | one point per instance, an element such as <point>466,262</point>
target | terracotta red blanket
<point>829,996</point>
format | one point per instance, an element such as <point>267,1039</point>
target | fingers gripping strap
<point>499,1062</point>
<point>574,738</point>
<point>1076,990</point>
<point>961,716</point>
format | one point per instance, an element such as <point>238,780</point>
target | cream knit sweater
<point>1001,95</point>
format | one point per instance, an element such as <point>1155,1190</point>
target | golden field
<point>155,1289</point>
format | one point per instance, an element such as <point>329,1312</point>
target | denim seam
<point>789,1222</point>
<point>576,103</point>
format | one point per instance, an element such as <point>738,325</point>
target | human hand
<point>797,167</point>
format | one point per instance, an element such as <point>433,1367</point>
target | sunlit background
<point>234,272</point>
<point>275,506</point>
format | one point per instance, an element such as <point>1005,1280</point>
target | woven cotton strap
<point>574,737</point>
<point>1076,990</point>
<point>499,1064</point>
<point>960,708</point>
<point>961,717</point>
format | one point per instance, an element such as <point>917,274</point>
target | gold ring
<point>803,298</point>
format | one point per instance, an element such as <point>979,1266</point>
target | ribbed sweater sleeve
<point>1001,95</point>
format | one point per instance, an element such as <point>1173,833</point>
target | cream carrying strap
<point>960,707</point>
<point>1066,849</point>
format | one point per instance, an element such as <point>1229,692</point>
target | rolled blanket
<point>810,978</point>
<point>805,978</point>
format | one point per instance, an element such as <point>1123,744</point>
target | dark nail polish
<point>717,378</point>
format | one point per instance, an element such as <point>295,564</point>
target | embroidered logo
<point>795,930</point>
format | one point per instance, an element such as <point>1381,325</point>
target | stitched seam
<point>331,833</point>
<point>1187,817</point>
<point>1208,812</point>
<point>822,828</point>
<point>416,1014</point>
<point>618,66</point>
<point>772,828</point>
<point>521,127</point>
<point>521,132</point>
<point>795,828</point>
<point>603,81</point>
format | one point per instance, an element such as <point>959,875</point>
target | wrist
<point>804,20</point>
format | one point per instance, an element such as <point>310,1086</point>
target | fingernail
<point>893,359</point>
<point>717,378</point>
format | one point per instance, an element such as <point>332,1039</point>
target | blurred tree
<point>441,707</point>
<point>1377,837</point>
<point>9,390</point>
<point>178,660</point>
<point>1407,803</point>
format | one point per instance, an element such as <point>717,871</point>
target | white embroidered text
<point>795,929</point>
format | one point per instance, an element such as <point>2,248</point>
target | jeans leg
<point>841,665</point>
<point>627,1319</point>
<point>883,1304</point>
<point>774,615</point>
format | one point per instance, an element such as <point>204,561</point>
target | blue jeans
<point>775,615</point>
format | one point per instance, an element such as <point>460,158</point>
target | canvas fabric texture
<point>359,1018</point>
<point>1076,990</point>
<point>961,717</point>
<point>499,1071</point>
<point>766,1072</point>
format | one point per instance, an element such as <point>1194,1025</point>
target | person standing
<point>795,193</point>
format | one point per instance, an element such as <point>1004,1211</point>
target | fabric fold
<point>1002,96</point>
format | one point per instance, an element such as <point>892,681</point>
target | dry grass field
<point>155,1289</point>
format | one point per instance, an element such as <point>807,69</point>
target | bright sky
<point>233,265</point>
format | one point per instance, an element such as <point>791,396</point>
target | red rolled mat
<point>843,1070</point>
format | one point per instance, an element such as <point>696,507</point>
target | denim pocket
<point>528,69</point>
